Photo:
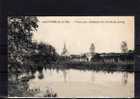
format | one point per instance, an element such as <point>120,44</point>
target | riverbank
<point>96,66</point>
<point>20,88</point>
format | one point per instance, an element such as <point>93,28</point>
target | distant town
<point>126,55</point>
<point>123,61</point>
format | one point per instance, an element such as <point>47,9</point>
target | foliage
<point>124,47</point>
<point>21,89</point>
<point>25,56</point>
<point>19,40</point>
<point>42,55</point>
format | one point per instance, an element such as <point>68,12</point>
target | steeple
<point>65,51</point>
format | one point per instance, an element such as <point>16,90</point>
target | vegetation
<point>19,41</point>
<point>21,89</point>
<point>25,56</point>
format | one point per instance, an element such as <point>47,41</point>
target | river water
<point>78,83</point>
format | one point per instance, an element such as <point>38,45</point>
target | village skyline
<point>67,50</point>
<point>107,37</point>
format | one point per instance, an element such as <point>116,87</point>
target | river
<point>87,83</point>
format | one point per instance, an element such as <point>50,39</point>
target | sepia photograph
<point>71,56</point>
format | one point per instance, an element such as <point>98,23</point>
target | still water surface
<point>77,83</point>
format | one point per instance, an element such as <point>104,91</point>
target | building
<point>65,51</point>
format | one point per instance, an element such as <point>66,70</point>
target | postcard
<point>71,56</point>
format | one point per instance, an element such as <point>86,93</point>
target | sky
<point>78,32</point>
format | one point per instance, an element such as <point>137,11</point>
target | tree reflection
<point>125,78</point>
<point>41,75</point>
<point>57,70</point>
<point>65,75</point>
<point>92,76</point>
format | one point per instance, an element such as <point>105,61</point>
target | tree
<point>43,54</point>
<point>23,54</point>
<point>97,57</point>
<point>130,51</point>
<point>124,47</point>
<point>19,40</point>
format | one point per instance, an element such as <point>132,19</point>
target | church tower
<point>92,49</point>
<point>65,51</point>
<point>91,53</point>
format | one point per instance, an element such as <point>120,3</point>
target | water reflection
<point>92,76</point>
<point>57,70</point>
<point>65,75</point>
<point>71,82</point>
<point>125,78</point>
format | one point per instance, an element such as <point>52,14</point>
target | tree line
<point>25,55</point>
